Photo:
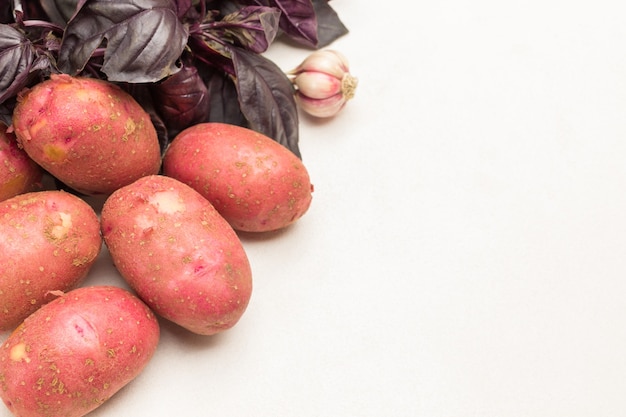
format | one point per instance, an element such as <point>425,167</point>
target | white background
<point>464,253</point>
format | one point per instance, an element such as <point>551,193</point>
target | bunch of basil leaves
<point>185,61</point>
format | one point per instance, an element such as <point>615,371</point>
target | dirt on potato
<point>77,351</point>
<point>88,133</point>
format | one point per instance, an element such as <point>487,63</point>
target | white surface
<point>464,253</point>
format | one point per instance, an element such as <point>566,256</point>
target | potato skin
<point>180,256</point>
<point>254,182</point>
<point>18,172</point>
<point>74,353</point>
<point>88,133</point>
<point>50,240</point>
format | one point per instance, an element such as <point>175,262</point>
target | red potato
<point>18,173</point>
<point>77,351</point>
<point>255,183</point>
<point>49,241</point>
<point>88,133</point>
<point>180,256</point>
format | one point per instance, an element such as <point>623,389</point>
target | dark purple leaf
<point>185,9</point>
<point>297,19</point>
<point>266,98</point>
<point>6,114</point>
<point>6,15</point>
<point>29,9</point>
<point>252,27</point>
<point>17,61</point>
<point>181,99</point>
<point>144,39</point>
<point>59,11</point>
<point>224,100</point>
<point>211,54</point>
<point>329,26</point>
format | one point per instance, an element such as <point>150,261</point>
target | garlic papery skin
<point>325,60</point>
<point>317,84</point>
<point>323,83</point>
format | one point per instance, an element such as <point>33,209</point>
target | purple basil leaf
<point>266,98</point>
<point>224,100</point>
<point>185,9</point>
<point>297,20</point>
<point>181,99</point>
<point>208,54</point>
<point>329,26</point>
<point>6,114</point>
<point>59,11</point>
<point>144,39</point>
<point>28,9</point>
<point>17,61</point>
<point>6,15</point>
<point>252,27</point>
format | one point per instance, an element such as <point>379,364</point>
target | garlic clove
<point>327,61</point>
<point>318,84</point>
<point>322,108</point>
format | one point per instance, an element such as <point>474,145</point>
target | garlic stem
<point>349,84</point>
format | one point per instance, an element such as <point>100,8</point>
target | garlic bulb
<point>323,83</point>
